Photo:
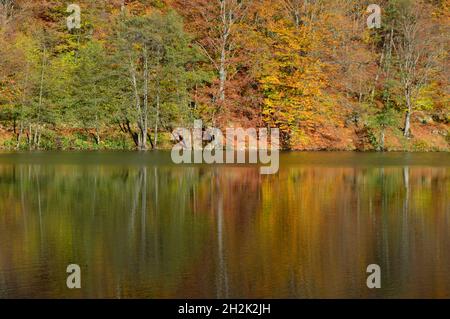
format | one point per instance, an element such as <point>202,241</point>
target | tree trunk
<point>226,17</point>
<point>407,132</point>
<point>144,128</point>
<point>97,134</point>
<point>133,135</point>
<point>38,142</point>
<point>24,98</point>
<point>139,139</point>
<point>35,139</point>
<point>157,119</point>
<point>222,74</point>
<point>41,92</point>
<point>382,138</point>
<point>30,134</point>
<point>19,136</point>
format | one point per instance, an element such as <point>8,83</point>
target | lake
<point>142,227</point>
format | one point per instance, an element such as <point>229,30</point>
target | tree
<point>154,54</point>
<point>216,25</point>
<point>291,77</point>
<point>417,52</point>
<point>309,67</point>
<point>91,98</point>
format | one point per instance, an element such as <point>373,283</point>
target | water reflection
<point>155,231</point>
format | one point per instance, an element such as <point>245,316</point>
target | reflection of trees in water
<point>38,191</point>
<point>229,198</point>
<point>405,229</point>
<point>132,227</point>
<point>147,231</point>
<point>217,203</point>
<point>330,223</point>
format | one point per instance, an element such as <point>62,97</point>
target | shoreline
<point>168,151</point>
<point>425,139</point>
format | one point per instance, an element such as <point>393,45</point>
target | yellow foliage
<point>292,79</point>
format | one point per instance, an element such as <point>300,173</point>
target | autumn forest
<point>134,70</point>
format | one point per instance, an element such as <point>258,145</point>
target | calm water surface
<point>140,227</point>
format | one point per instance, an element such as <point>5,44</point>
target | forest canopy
<point>134,70</point>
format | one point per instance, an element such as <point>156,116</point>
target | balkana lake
<point>141,227</point>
